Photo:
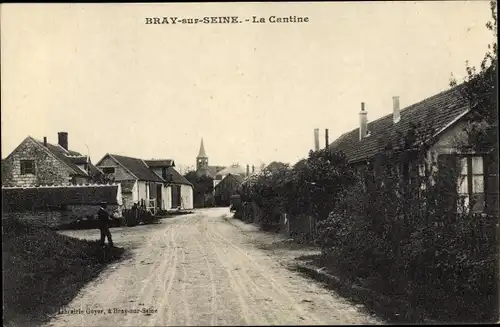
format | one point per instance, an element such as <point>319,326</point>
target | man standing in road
<point>104,221</point>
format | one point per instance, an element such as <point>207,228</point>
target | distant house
<point>441,120</point>
<point>179,189</point>
<point>35,162</point>
<point>156,184</point>
<point>235,170</point>
<point>227,187</point>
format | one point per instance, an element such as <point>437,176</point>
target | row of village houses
<point>154,184</point>
<point>444,116</point>
<point>442,120</point>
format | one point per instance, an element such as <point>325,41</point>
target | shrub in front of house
<point>418,242</point>
<point>308,189</point>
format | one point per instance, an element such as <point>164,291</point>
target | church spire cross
<point>202,153</point>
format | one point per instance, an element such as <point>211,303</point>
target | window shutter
<point>447,181</point>
<point>491,183</point>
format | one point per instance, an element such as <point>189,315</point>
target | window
<point>27,167</point>
<point>108,170</point>
<point>471,182</point>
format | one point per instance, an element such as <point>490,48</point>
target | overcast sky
<point>254,92</point>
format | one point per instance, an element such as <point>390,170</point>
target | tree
<point>202,184</point>
<point>317,181</point>
<point>480,92</point>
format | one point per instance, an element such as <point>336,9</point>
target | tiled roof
<point>239,178</point>
<point>233,170</point>
<point>78,160</point>
<point>177,178</point>
<point>17,198</point>
<point>138,167</point>
<point>160,163</point>
<point>64,156</point>
<point>211,170</point>
<point>94,171</point>
<point>434,113</point>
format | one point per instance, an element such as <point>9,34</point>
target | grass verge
<point>44,270</point>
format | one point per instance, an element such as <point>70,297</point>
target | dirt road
<point>199,269</point>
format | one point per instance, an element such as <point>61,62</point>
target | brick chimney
<point>248,170</point>
<point>63,139</point>
<point>253,169</point>
<point>316,139</point>
<point>363,122</point>
<point>396,114</point>
<point>45,140</point>
<point>326,138</point>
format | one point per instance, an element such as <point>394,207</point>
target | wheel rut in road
<point>199,269</point>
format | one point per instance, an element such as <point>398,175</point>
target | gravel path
<point>201,269</point>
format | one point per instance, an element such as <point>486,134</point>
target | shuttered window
<point>471,182</point>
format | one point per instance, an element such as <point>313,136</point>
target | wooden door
<point>176,196</point>
<point>159,201</point>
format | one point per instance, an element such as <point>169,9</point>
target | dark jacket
<point>103,216</point>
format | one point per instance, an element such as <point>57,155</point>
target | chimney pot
<point>253,169</point>
<point>396,112</point>
<point>326,138</point>
<point>363,122</point>
<point>248,170</point>
<point>316,139</point>
<point>45,140</point>
<point>63,139</point>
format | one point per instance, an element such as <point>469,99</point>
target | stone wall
<point>48,170</point>
<point>49,219</point>
<point>55,218</point>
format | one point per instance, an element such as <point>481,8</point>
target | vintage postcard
<point>249,163</point>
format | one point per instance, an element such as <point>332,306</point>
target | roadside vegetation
<point>410,236</point>
<point>44,270</point>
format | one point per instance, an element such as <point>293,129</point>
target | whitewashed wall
<point>135,193</point>
<point>448,141</point>
<point>142,191</point>
<point>186,197</point>
<point>166,197</point>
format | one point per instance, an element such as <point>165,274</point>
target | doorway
<point>176,196</point>
<point>159,201</point>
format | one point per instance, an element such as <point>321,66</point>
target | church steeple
<point>202,158</point>
<point>201,153</point>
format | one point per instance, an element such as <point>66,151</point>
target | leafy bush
<point>416,238</point>
<point>309,188</point>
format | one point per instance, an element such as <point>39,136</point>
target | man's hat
<point>103,203</point>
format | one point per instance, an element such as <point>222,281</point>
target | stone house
<point>35,162</point>
<point>157,187</point>
<point>440,121</point>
